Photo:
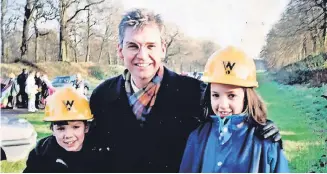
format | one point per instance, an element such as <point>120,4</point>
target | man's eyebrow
<point>130,42</point>
<point>147,43</point>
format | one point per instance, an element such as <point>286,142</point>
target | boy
<point>69,112</point>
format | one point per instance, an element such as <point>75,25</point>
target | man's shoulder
<point>107,84</point>
<point>107,89</point>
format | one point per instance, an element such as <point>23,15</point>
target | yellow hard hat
<point>67,104</point>
<point>230,66</point>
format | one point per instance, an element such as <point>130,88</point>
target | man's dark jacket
<point>21,80</point>
<point>127,145</point>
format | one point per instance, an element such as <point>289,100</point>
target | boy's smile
<point>71,136</point>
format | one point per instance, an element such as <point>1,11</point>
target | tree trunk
<point>27,15</point>
<point>304,47</point>
<point>45,53</point>
<point>45,50</point>
<point>75,56</point>
<point>100,54</point>
<point>87,56</point>
<point>314,42</point>
<point>36,50</point>
<point>63,33</point>
<point>36,41</point>
<point>324,27</point>
<point>110,58</point>
<point>75,43</point>
<point>3,13</point>
<point>104,39</point>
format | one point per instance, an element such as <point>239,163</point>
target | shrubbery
<point>312,70</point>
<point>97,72</point>
<point>103,72</point>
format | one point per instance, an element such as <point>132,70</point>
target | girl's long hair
<point>253,104</point>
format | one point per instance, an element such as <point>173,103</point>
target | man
<point>21,80</point>
<point>38,83</point>
<point>144,116</point>
<point>13,91</point>
<point>78,84</point>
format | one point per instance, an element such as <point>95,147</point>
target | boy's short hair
<point>62,123</point>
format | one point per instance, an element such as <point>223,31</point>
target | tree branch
<point>82,9</point>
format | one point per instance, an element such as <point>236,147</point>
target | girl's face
<point>226,99</point>
<point>71,136</point>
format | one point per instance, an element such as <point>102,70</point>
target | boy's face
<point>71,136</point>
<point>226,100</point>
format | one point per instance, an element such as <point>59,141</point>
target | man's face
<point>71,136</point>
<point>78,77</point>
<point>142,51</point>
<point>37,74</point>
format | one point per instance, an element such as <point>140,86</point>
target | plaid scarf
<point>143,100</point>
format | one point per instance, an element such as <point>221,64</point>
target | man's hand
<point>270,131</point>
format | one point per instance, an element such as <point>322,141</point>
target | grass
<point>42,129</point>
<point>300,114</point>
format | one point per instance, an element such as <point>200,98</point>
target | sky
<point>242,23</point>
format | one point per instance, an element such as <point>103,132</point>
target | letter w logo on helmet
<point>228,66</point>
<point>68,104</point>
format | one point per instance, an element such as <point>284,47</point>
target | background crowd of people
<point>28,90</point>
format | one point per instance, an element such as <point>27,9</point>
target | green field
<point>42,130</point>
<point>299,112</point>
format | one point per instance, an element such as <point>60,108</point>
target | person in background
<point>22,97</point>
<point>13,91</point>
<point>47,88</point>
<point>31,90</point>
<point>78,84</point>
<point>38,83</point>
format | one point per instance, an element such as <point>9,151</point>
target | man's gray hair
<point>138,18</point>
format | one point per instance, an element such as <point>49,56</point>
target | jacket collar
<point>167,84</point>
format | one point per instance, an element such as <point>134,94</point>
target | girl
<point>226,142</point>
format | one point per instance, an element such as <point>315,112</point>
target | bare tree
<point>27,19</point>
<point>171,35</point>
<point>48,45</point>
<point>42,13</point>
<point>10,18</point>
<point>65,19</point>
<point>3,13</point>
<point>109,21</point>
<point>300,33</point>
<point>89,33</point>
